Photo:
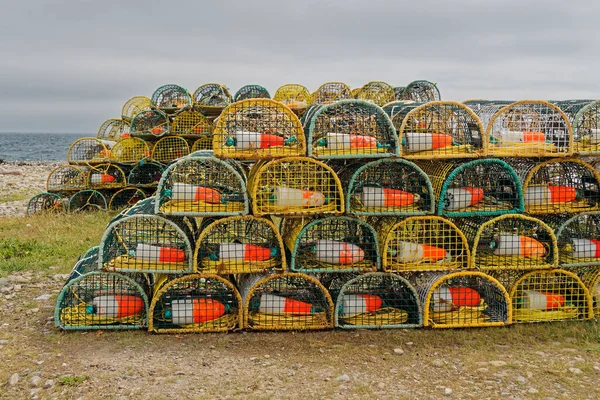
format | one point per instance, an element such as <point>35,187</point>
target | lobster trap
<point>205,142</point>
<point>130,151</point>
<point>191,124</point>
<point>67,178</point>
<point>295,186</point>
<point>296,97</point>
<point>212,98</point>
<point>147,243</point>
<point>387,187</point>
<point>378,300</point>
<point>171,98</point>
<point>239,245</point>
<point>482,187</point>
<point>197,303</point>
<point>465,299</point>
<point>89,151</point>
<point>420,91</point>
<point>331,92</point>
<point>421,243</point>
<point>150,124</point>
<point>590,276</point>
<point>334,244</point>
<point>376,92</point>
<point>578,239</point>
<point>125,197</point>
<point>351,129</point>
<point>202,186</point>
<point>170,148</point>
<point>106,176</point>
<point>550,295</point>
<point>87,200</point>
<point>251,92</point>
<point>529,128</point>
<point>437,130</point>
<point>584,116</point>
<point>558,185</point>
<point>288,301</point>
<point>255,129</point>
<point>113,129</point>
<point>86,263</point>
<point>101,300</point>
<point>398,92</point>
<point>133,106</point>
<point>47,203</point>
<point>145,174</point>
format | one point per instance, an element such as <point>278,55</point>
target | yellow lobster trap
<point>332,245</point>
<point>191,124</point>
<point>295,96</point>
<point>351,129</point>
<point>376,92</point>
<point>558,185</point>
<point>101,300</point>
<point>126,197</point>
<point>202,186</point>
<point>294,186</point>
<point>578,239</point>
<point>288,301</point>
<point>150,124</point>
<point>437,130</point>
<point>145,174</point>
<point>251,92</point>
<point>130,150</point>
<point>205,142</point>
<point>135,105</point>
<point>197,303</point>
<point>147,243</point>
<point>239,245</point>
<point>87,200</point>
<point>106,176</point>
<point>421,243</point>
<point>584,116</point>
<point>67,178</point>
<point>590,276</point>
<point>465,299</point>
<point>420,91</point>
<point>378,300</point>
<point>171,99</point>
<point>113,129</point>
<point>211,99</point>
<point>482,187</point>
<point>47,202</point>
<point>90,151</point>
<point>170,148</point>
<point>256,129</point>
<point>331,92</point>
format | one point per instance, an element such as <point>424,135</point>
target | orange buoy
<point>116,306</point>
<point>521,246</point>
<point>187,192</point>
<point>458,198</point>
<point>337,252</point>
<point>270,303</point>
<point>161,254</point>
<point>446,298</point>
<point>195,311</point>
<point>415,252</point>
<point>244,140</point>
<point>243,252</point>
<point>420,141</point>
<point>386,197</point>
<point>289,197</point>
<point>353,304</point>
<point>545,195</point>
<point>96,178</point>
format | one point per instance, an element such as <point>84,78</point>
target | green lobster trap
<point>419,91</point>
<point>482,187</point>
<point>87,200</point>
<point>113,129</point>
<point>288,301</point>
<point>398,93</point>
<point>130,150</point>
<point>464,299</point>
<point>584,116</point>
<point>437,130</point>
<point>197,303</point>
<point>529,128</point>
<point>135,105</point>
<point>191,124</point>
<point>125,197</point>
<point>47,203</point>
<point>387,187</point>
<point>90,151</point>
<point>67,178</point>
<point>239,245</point>
<point>150,124</point>
<point>331,92</point>
<point>376,92</point>
<point>294,186</point>
<point>106,176</point>
<point>255,129</point>
<point>202,186</point>
<point>170,148</point>
<point>378,300</point>
<point>558,185</point>
<point>101,300</point>
<point>351,129</point>
<point>147,243</point>
<point>333,244</point>
<point>212,98</point>
<point>421,243</point>
<point>294,96</point>
<point>145,174</point>
<point>251,92</point>
<point>170,99</point>
<point>86,263</point>
<point>578,239</point>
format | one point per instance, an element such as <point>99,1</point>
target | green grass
<point>71,380</point>
<point>40,241</point>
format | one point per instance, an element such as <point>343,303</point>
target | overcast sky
<point>66,66</point>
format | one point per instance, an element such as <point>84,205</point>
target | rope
<point>287,321</point>
<point>522,149</point>
<point>237,266</point>
<point>532,315</point>
<point>422,265</point>
<point>358,206</point>
<point>309,263</point>
<point>383,316</point>
<point>130,262</point>
<point>434,154</point>
<point>487,204</point>
<point>324,151</point>
<point>266,208</point>
<point>488,259</point>
<point>462,316</point>
<point>570,207</point>
<point>225,322</point>
<point>200,206</point>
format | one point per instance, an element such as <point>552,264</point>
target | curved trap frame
<point>334,244</point>
<point>197,303</point>
<point>150,124</point>
<point>202,186</point>
<point>590,276</point>
<point>113,129</point>
<point>171,98</point>
<point>351,129</point>
<point>388,187</point>
<point>133,106</point>
<point>106,176</point>
<point>170,148</point>
<point>294,96</point>
<point>88,151</point>
<point>295,186</point>
<point>331,92</point>
<point>67,178</point>
<point>147,243</point>
<point>579,241</point>
<point>130,151</point>
<point>584,116</point>
<point>376,92</point>
<point>251,92</point>
<point>486,109</point>
<point>423,243</point>
<point>558,186</point>
<point>191,124</point>
<point>437,130</point>
<point>145,174</point>
<point>484,187</point>
<point>212,98</point>
<point>87,200</point>
<point>126,197</point>
<point>86,263</point>
<point>529,128</point>
<point>288,301</point>
<point>205,142</point>
<point>101,300</point>
<point>46,203</point>
<point>551,295</point>
<point>421,91</point>
<point>465,299</point>
<point>239,245</point>
<point>255,129</point>
<point>378,300</point>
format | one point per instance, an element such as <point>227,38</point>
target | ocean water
<point>37,146</point>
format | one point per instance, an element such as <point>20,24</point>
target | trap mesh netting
<point>113,129</point>
<point>474,188</point>
<point>125,197</point>
<point>47,203</point>
<point>423,243</point>
<point>147,243</point>
<point>419,91</point>
<point>584,116</point>
<point>351,129</point>
<point>195,303</point>
<point>67,178</point>
<point>295,185</point>
<point>238,245</point>
<point>251,92</point>
<point>334,244</point>
<point>149,124</point>
<point>462,300</point>
<point>289,301</point>
<point>145,174</point>
<point>130,151</point>
<point>191,124</point>
<point>88,151</point>
<point>170,148</point>
<point>134,106</point>
<point>205,142</point>
<point>376,92</point>
<point>590,276</point>
<point>331,92</point>
<point>87,200</point>
<point>106,176</point>
<point>255,129</point>
<point>296,97</point>
<point>578,239</point>
<point>486,109</point>
<point>212,98</point>
<point>437,130</point>
<point>101,300</point>
<point>171,98</point>
<point>86,263</point>
<point>377,300</point>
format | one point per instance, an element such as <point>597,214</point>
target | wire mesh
<point>134,106</point>
<point>66,178</point>
<point>212,98</point>
<point>113,129</point>
<point>89,151</point>
<point>421,91</point>
<point>170,148</point>
<point>191,124</point>
<point>331,92</point>
<point>106,176</point>
<point>150,124</point>
<point>145,174</point>
<point>87,200</point>
<point>171,98</point>
<point>376,92</point>
<point>205,142</point>
<point>86,263</point>
<point>126,197</point>
<point>130,151</point>
<point>398,90</point>
<point>47,203</point>
<point>590,276</point>
<point>294,96</point>
<point>578,239</point>
<point>584,116</point>
<point>251,92</point>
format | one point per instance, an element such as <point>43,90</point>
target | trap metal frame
<point>130,150</point>
<point>135,105</point>
<point>584,116</point>
<point>377,92</point>
<point>87,200</point>
<point>171,98</point>
<point>251,92</point>
<point>113,129</point>
<point>331,92</point>
<point>90,151</point>
<point>67,178</point>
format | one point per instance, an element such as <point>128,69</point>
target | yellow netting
<point>287,321</point>
<point>204,143</point>
<point>383,316</point>
<point>200,207</point>
<point>463,316</point>
<point>106,176</point>
<point>514,149</point>
<point>78,316</point>
<point>377,92</point>
<point>66,177</point>
<point>527,315</point>
<point>575,206</point>
<point>191,123</point>
<point>125,262</point>
<point>486,260</point>
<point>330,92</point>
<point>113,129</point>
<point>236,266</point>
<point>170,148</point>
<point>294,96</point>
<point>134,106</point>
<point>130,151</point>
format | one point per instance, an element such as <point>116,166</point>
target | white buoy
<point>153,253</point>
<point>337,252</point>
<point>289,197</point>
<point>353,304</point>
<point>586,248</point>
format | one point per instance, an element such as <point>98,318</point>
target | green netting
<point>126,197</point>
<point>113,129</point>
<point>150,124</point>
<point>171,98</point>
<point>584,116</point>
<point>251,92</point>
<point>146,174</point>
<point>376,92</point>
<point>47,203</point>
<point>87,200</point>
<point>421,91</point>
